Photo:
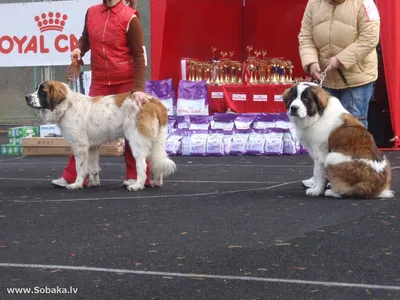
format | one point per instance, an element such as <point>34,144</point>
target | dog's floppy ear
<point>320,97</point>
<point>286,96</point>
<point>56,93</point>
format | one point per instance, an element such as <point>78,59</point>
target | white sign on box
<point>41,33</point>
<point>50,130</point>
<point>262,98</point>
<point>239,97</point>
<point>278,98</point>
<point>217,95</point>
<point>191,107</point>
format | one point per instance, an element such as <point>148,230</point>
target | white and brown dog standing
<point>344,152</point>
<point>88,122</point>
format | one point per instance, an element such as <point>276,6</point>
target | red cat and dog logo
<point>50,37</point>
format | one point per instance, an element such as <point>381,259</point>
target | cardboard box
<point>10,149</point>
<point>59,146</point>
<point>50,130</point>
<point>23,131</point>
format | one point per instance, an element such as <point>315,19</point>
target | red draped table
<point>255,98</point>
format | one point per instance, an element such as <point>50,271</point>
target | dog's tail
<point>159,160</point>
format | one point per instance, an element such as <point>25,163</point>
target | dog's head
<point>48,95</point>
<point>305,100</point>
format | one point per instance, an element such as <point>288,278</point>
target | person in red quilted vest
<point>113,33</point>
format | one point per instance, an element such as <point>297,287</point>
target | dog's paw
<point>314,192</point>
<point>93,184</point>
<point>74,186</point>
<point>155,183</point>
<point>128,182</point>
<point>330,193</point>
<point>308,183</point>
<point>135,187</point>
<point>94,181</point>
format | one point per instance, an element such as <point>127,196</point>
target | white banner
<point>41,33</point>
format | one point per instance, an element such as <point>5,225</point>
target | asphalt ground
<point>235,227</point>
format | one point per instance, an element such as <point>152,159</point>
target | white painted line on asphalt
<point>206,276</point>
<point>11,159</point>
<point>159,196</point>
<point>172,181</point>
<point>178,165</point>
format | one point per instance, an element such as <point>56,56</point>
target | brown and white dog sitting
<point>88,122</point>
<point>344,152</point>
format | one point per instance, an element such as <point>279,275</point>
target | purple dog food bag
<point>288,126</point>
<point>186,134</point>
<point>227,139</point>
<point>198,142</point>
<point>274,141</point>
<point>283,122</point>
<point>239,141</point>
<point>225,122</point>
<point>215,143</point>
<point>182,122</point>
<point>264,121</point>
<point>173,145</point>
<point>256,142</point>
<point>163,90</point>
<point>245,121</point>
<point>200,122</point>
<point>290,146</point>
<point>283,116</point>
<point>192,98</point>
<point>171,124</point>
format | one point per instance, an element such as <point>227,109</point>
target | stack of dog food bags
<point>232,134</point>
<point>15,135</point>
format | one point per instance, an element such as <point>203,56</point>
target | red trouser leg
<point>131,165</point>
<point>69,173</point>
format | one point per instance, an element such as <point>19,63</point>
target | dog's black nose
<point>27,98</point>
<point>294,109</point>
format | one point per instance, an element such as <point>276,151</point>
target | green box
<point>23,131</point>
<point>16,141</point>
<point>10,149</point>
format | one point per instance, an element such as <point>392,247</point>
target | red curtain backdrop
<point>274,25</point>
<point>390,42</point>
<point>184,28</point>
<point>157,13</point>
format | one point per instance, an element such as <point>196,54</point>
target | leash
<point>74,70</point>
<point>351,92</point>
<point>323,76</point>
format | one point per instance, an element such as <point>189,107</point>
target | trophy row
<point>257,69</point>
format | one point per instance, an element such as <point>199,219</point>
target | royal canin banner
<point>41,33</point>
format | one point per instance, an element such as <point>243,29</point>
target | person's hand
<point>315,71</point>
<point>140,98</point>
<point>334,64</point>
<point>76,54</point>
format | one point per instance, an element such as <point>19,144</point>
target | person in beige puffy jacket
<point>342,35</point>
